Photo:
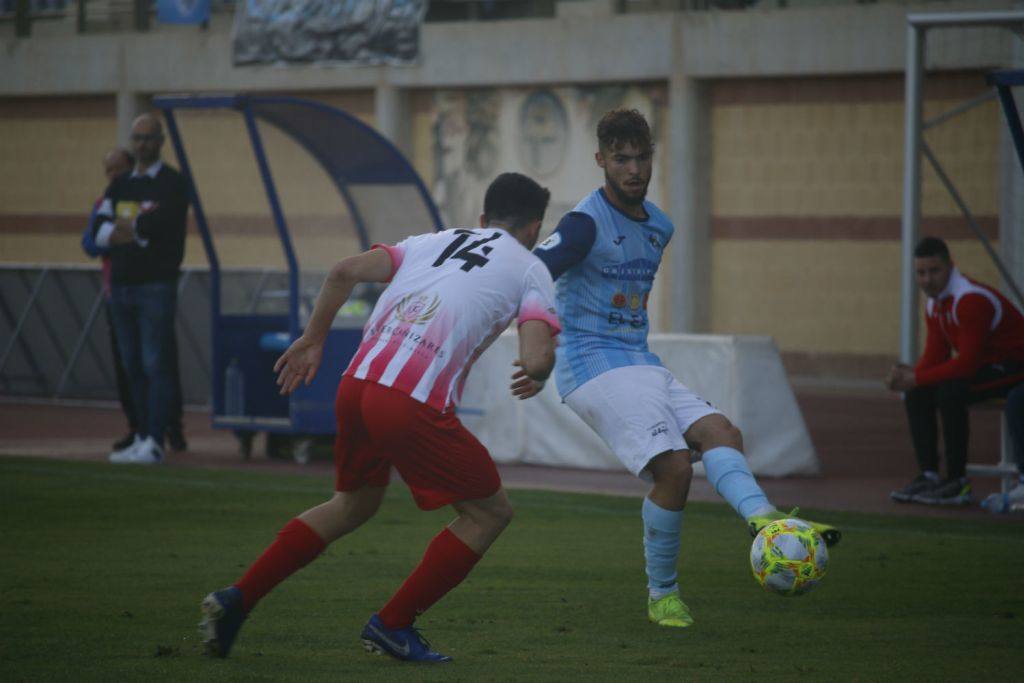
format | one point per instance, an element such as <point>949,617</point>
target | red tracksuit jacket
<point>970,325</point>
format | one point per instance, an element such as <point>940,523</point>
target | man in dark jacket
<point>141,220</point>
<point>116,162</point>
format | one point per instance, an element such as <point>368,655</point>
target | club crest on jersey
<point>634,301</point>
<point>416,309</point>
<point>619,300</point>
<point>550,242</point>
<point>655,242</point>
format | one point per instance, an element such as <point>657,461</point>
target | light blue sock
<point>661,547</point>
<point>729,473</point>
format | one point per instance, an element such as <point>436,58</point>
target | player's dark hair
<point>515,199</point>
<point>622,127</point>
<point>932,246</point>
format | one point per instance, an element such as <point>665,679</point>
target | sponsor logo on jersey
<point>412,339</point>
<point>634,301</point>
<point>655,242</point>
<point>637,270</point>
<point>618,240</point>
<point>619,300</point>
<point>659,428</point>
<point>417,309</point>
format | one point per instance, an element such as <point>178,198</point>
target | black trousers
<point>124,387</point>
<point>949,402</point>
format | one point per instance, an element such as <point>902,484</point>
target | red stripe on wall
<point>951,85</point>
<point>843,227</point>
<point>58,223</point>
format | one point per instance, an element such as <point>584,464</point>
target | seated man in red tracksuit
<point>974,351</point>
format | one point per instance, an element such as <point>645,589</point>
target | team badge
<point>655,242</point>
<point>619,300</point>
<point>634,301</point>
<point>417,309</point>
<point>551,242</point>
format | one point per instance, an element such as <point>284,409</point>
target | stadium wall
<point>779,132</point>
<point>806,198</point>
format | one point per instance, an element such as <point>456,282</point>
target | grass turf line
<point>103,568</point>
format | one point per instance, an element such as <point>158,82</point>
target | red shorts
<point>439,459</point>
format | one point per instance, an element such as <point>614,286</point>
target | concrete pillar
<point>129,105</point>
<point>689,195</point>
<point>393,115</point>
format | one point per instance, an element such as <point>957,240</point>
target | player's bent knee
<point>493,514</point>
<point>672,469</point>
<point>503,516</point>
<point>734,437</point>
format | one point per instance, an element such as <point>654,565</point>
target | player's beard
<point>623,195</point>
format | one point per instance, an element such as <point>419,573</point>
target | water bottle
<point>234,389</point>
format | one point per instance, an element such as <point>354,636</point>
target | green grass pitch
<point>102,570</point>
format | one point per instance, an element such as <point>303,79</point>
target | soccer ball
<point>788,557</point>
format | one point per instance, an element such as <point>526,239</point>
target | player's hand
<point>523,386</point>
<point>902,378</point>
<point>298,364</point>
<point>890,378</point>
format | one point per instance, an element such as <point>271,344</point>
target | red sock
<point>445,564</point>
<point>296,546</point>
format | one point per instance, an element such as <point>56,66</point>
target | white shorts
<point>640,411</point>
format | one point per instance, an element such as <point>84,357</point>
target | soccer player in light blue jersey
<point>604,256</point>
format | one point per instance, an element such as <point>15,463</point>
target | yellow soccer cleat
<point>831,534</point>
<point>669,611</point>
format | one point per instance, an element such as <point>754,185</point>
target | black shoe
<point>950,492</point>
<point>123,443</point>
<point>223,615</point>
<point>176,442</point>
<point>920,484</point>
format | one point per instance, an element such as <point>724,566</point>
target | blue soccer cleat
<point>405,644</point>
<point>222,619</point>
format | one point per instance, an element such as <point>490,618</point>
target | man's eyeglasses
<point>144,137</point>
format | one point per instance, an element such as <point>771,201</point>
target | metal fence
<point>55,338</point>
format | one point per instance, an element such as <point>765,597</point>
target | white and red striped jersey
<point>451,294</point>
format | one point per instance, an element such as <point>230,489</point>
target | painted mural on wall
<point>546,133</point>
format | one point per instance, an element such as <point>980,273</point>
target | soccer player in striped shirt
<point>604,255</point>
<point>450,295</point>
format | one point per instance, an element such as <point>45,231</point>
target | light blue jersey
<point>604,263</point>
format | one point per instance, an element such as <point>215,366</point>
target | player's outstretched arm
<point>300,362</point>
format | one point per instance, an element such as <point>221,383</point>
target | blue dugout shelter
<point>387,201</point>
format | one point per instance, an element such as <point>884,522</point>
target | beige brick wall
<point>812,172</point>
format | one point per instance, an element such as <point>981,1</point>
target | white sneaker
<point>122,455</point>
<point>146,452</point>
<point>1000,503</point>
